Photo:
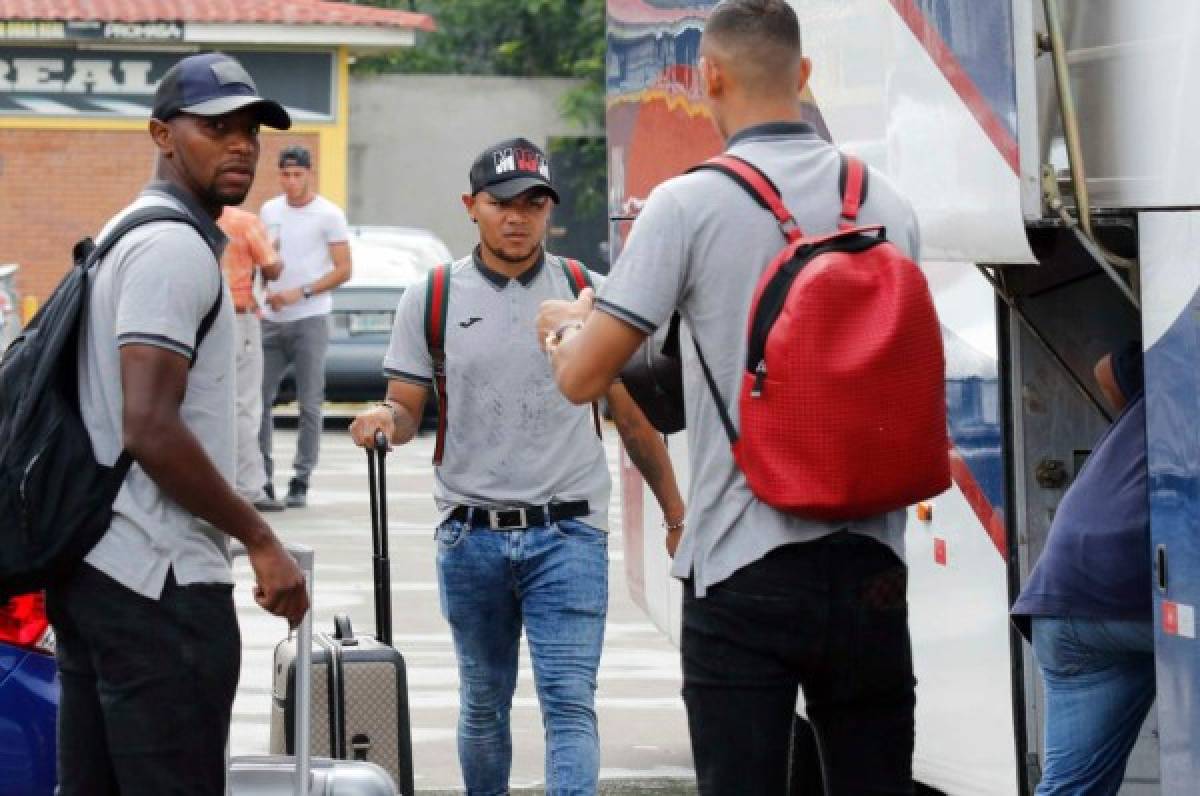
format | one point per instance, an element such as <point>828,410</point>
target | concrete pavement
<point>643,729</point>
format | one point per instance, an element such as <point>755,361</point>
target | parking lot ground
<point>643,728</point>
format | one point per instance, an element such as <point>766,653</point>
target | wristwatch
<point>307,291</point>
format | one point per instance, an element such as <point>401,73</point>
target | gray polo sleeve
<point>407,357</point>
<point>647,281</point>
<point>168,281</point>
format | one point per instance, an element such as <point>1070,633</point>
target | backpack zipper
<point>760,378</point>
<point>25,507</point>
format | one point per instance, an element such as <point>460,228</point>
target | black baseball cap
<point>295,155</point>
<point>213,84</point>
<point>511,168</point>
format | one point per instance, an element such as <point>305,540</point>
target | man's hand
<point>556,312</point>
<point>285,298</point>
<point>673,537</point>
<point>369,423</point>
<point>280,587</point>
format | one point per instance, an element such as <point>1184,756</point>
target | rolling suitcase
<point>360,687</point>
<point>304,775</point>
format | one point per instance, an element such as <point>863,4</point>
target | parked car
<point>10,318</point>
<point>387,261</point>
<point>28,697</point>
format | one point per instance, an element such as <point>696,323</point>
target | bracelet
<point>673,526</point>
<point>391,407</point>
<point>561,332</point>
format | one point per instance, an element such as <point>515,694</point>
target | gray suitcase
<point>360,687</point>
<point>277,775</point>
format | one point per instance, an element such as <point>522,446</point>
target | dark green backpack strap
<point>578,278</point>
<point>437,302</point>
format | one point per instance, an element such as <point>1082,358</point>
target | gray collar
<point>499,280</point>
<point>212,233</point>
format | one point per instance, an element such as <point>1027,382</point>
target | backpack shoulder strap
<point>577,276</point>
<point>149,215</point>
<point>437,301</point>
<point>140,217</point>
<point>760,187</point>
<point>852,183</point>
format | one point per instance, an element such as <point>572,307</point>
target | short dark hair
<point>770,22</point>
<point>295,155</point>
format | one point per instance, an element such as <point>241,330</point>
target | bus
<point>1047,148</point>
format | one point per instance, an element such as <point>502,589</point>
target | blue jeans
<point>554,581</point>
<point>1099,679</point>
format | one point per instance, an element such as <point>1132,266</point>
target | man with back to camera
<point>524,487</point>
<point>147,637</point>
<point>1087,606</point>
<point>249,254</point>
<point>772,601</point>
<point>313,240</point>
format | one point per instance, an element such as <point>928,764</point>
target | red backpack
<point>843,402</point>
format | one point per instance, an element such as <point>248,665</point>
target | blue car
<point>28,698</point>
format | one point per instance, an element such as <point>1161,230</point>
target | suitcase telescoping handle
<point>382,565</point>
<point>302,742</point>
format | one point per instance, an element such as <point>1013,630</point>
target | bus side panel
<point>1171,326</point>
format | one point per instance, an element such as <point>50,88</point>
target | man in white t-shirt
<point>311,235</point>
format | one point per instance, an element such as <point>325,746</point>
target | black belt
<point>505,518</point>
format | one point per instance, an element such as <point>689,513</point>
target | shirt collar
<point>772,130</point>
<point>501,281</point>
<point>212,233</point>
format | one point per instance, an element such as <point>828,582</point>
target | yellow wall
<point>334,136</point>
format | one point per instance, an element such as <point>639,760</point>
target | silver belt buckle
<point>497,525</point>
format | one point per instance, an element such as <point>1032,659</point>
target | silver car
<point>387,261</point>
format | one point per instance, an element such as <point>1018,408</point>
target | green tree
<point>523,38</point>
<point>557,38</point>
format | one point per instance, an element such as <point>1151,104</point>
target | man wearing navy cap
<point>148,644</point>
<point>523,485</point>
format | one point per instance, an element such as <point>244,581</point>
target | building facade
<point>76,84</point>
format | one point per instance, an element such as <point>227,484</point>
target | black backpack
<point>55,498</point>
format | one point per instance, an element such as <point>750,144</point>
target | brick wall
<point>59,186</point>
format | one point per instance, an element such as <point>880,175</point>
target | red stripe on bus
<point>960,81</point>
<point>992,520</point>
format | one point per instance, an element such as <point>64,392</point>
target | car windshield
<point>393,258</point>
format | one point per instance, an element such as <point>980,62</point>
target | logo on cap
<point>520,159</point>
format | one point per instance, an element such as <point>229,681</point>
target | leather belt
<point>508,518</point>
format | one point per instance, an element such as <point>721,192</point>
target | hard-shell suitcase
<point>360,687</point>
<point>277,775</point>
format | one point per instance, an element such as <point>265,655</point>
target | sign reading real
<point>60,80</point>
<point>81,76</point>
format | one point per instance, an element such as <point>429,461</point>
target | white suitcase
<point>301,775</point>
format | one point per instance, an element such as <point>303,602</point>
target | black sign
<point>51,30</point>
<point>46,81</point>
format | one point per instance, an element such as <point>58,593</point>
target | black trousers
<point>829,617</point>
<point>147,686</point>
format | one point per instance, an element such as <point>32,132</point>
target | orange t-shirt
<point>248,248</point>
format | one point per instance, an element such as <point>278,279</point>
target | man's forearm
<point>404,424</point>
<point>648,452</point>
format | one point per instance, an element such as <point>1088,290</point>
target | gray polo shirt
<point>153,288</point>
<point>700,245</point>
<point>511,438</point>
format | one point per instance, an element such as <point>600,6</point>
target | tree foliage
<point>523,38</point>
